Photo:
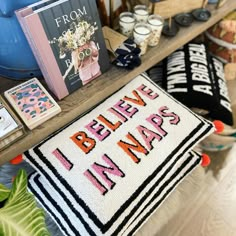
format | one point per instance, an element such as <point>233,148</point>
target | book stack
<point>11,129</point>
<point>67,41</point>
<point>32,102</point>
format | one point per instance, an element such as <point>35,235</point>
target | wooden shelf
<point>108,83</point>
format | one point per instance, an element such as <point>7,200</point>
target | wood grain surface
<point>212,210</point>
<point>169,8</point>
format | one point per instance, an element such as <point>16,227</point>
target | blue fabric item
<point>127,55</point>
<point>128,46</point>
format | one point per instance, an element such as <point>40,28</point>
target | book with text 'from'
<point>67,37</point>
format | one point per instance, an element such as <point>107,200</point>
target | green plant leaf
<point>20,215</point>
<point>4,193</point>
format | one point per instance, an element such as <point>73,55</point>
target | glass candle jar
<point>126,23</point>
<point>156,23</point>
<point>141,35</point>
<point>141,13</point>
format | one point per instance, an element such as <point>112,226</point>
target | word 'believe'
<point>100,128</point>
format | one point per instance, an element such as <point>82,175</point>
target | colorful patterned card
<point>32,102</point>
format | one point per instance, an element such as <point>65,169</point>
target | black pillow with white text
<point>192,77</point>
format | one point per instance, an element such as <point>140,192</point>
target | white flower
<point>62,56</point>
<point>78,35</point>
<point>82,41</point>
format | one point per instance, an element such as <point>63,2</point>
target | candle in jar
<point>156,23</point>
<point>126,22</point>
<point>142,30</point>
<point>141,13</point>
<point>141,34</point>
<point>127,19</point>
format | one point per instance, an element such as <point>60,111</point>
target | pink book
<point>20,14</point>
<point>67,39</point>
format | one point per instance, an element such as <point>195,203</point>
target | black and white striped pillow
<point>103,163</point>
<point>67,221</point>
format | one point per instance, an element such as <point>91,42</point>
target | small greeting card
<point>7,123</point>
<point>32,102</point>
<point>10,127</point>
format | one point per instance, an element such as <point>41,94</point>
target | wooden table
<point>94,92</point>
